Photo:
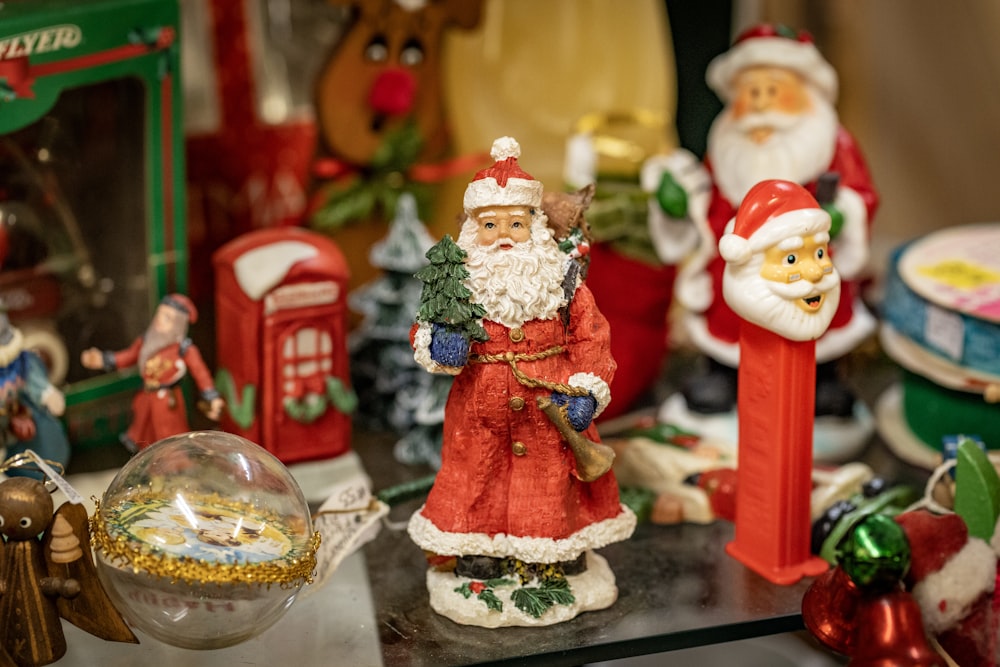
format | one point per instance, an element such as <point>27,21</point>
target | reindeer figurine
<point>380,117</point>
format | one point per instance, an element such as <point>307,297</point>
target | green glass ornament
<point>876,554</point>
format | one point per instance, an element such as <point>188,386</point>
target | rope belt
<point>534,383</point>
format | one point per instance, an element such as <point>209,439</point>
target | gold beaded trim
<point>120,550</point>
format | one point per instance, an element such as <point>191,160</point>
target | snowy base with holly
<point>506,602</point>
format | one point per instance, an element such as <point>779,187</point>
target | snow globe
<point>204,540</point>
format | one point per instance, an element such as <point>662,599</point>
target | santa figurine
<point>164,355</point>
<point>778,122</point>
<point>525,492</point>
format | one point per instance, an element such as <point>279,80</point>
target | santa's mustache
<point>801,289</point>
<point>757,120</point>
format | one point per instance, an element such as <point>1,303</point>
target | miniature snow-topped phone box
<point>281,338</point>
<point>91,188</point>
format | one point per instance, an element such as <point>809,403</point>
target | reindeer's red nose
<point>393,92</point>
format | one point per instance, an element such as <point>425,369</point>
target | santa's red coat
<point>723,325</point>
<point>158,411</point>
<point>506,485</point>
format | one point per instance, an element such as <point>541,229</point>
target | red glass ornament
<point>829,610</point>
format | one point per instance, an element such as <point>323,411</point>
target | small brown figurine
<point>43,579</point>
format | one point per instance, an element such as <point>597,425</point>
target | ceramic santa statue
<point>524,493</point>
<point>163,355</point>
<point>779,122</point>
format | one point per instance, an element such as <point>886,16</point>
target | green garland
<point>313,406</point>
<point>241,409</point>
<point>376,190</point>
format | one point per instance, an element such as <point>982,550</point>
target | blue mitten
<point>448,348</point>
<point>579,409</point>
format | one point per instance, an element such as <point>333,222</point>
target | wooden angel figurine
<point>47,573</point>
<point>524,493</point>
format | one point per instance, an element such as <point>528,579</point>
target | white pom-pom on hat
<point>505,147</point>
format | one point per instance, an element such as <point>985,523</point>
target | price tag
<point>71,494</point>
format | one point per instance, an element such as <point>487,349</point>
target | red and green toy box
<point>91,187</point>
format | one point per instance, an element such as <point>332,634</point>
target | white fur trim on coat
<point>946,596</point>
<point>851,247</point>
<point>725,353</point>
<point>429,537</point>
<point>837,342</point>
<point>674,239</point>
<point>422,352</point>
<point>595,385</point>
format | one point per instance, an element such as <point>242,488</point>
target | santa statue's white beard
<point>772,304</point>
<point>799,149</point>
<point>519,284</point>
<point>153,341</point>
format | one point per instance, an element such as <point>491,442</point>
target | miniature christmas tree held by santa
<point>445,300</point>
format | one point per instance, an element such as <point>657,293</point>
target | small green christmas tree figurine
<point>444,301</point>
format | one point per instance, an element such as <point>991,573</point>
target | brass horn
<point>593,459</point>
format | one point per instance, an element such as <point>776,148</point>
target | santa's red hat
<point>949,571</point>
<point>183,304</point>
<point>775,46</point>
<point>505,183</point>
<point>771,212</point>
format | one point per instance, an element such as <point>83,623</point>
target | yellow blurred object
<point>534,69</point>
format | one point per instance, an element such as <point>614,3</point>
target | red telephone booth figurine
<point>280,336</point>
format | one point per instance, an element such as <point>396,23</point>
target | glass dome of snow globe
<point>204,540</point>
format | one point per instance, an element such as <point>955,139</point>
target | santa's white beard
<point>799,149</point>
<point>153,341</point>
<point>772,304</point>
<point>519,284</point>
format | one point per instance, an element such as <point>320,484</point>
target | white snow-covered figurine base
<point>493,603</point>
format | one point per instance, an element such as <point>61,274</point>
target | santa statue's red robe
<point>506,486</point>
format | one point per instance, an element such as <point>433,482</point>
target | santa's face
<point>805,260</point>
<point>791,288</point>
<point>166,319</point>
<point>775,126</point>
<point>759,90</point>
<point>514,280</point>
<point>506,224</point>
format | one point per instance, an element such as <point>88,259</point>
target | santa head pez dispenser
<point>779,279</point>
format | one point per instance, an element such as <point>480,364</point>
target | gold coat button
<point>516,334</point>
<point>508,356</point>
<point>519,448</point>
<point>516,403</point>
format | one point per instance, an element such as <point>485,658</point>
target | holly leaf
<point>530,601</point>
<point>400,148</point>
<point>493,603</point>
<point>557,590</point>
<point>355,203</point>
